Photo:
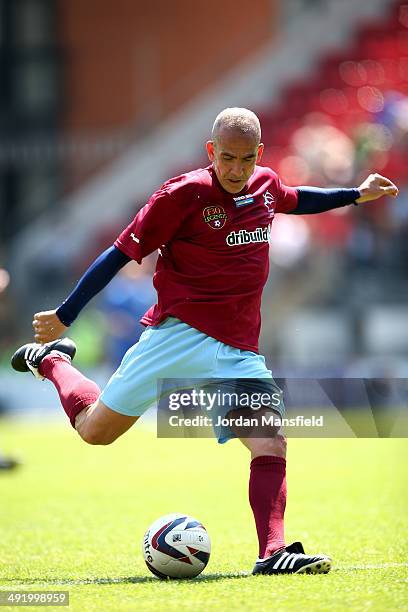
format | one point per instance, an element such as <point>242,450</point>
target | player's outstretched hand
<point>375,186</point>
<point>47,326</point>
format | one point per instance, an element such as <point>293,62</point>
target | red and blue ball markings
<point>159,543</point>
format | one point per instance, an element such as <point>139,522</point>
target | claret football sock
<point>267,496</point>
<point>76,392</point>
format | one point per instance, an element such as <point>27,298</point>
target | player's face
<point>234,157</point>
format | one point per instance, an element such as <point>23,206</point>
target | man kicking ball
<point>212,228</point>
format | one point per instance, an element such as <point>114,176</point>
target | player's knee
<point>282,444</point>
<point>99,426</point>
<point>269,446</point>
<point>95,437</point>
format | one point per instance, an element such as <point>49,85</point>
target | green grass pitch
<point>73,517</point>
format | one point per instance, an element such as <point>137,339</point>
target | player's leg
<point>267,445</point>
<point>79,396</point>
<point>267,496</point>
<point>267,480</point>
<point>98,424</point>
<point>162,352</point>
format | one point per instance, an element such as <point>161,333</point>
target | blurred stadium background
<point>101,101</point>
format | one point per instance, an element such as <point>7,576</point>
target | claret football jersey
<point>213,251</point>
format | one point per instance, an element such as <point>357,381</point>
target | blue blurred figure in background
<point>124,302</point>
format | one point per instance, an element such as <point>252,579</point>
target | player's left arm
<point>312,200</point>
<point>376,186</point>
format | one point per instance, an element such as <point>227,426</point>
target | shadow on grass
<point>122,580</point>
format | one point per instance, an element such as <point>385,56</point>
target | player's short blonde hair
<point>237,119</point>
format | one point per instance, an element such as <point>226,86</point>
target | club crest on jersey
<point>268,199</point>
<point>215,216</point>
<point>244,200</point>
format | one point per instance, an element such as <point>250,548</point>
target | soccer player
<point>212,228</point>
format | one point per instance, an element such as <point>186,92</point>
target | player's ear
<point>261,147</point>
<point>210,150</point>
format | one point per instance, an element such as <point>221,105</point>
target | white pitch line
<point>148,578</point>
<point>370,566</point>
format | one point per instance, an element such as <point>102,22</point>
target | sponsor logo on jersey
<point>261,234</point>
<point>215,216</point>
<point>244,200</point>
<point>134,238</point>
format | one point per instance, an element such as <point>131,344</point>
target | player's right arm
<point>154,225</point>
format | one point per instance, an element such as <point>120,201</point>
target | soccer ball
<point>176,546</point>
